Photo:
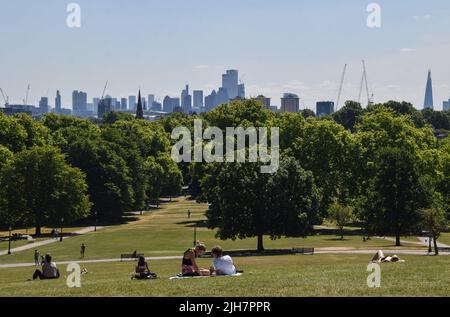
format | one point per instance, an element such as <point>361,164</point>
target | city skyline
<point>294,46</point>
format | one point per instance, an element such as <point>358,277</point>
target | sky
<point>278,46</point>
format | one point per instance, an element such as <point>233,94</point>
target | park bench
<point>446,250</point>
<point>303,251</point>
<point>130,256</point>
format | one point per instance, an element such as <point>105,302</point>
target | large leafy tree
<point>349,115</point>
<point>395,194</point>
<point>38,187</point>
<point>245,203</point>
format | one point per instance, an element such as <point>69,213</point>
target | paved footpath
<point>36,245</point>
<point>348,251</point>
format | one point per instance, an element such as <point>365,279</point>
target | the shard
<point>428,104</point>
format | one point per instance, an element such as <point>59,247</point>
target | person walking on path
<point>82,250</point>
<point>189,214</point>
<point>37,257</point>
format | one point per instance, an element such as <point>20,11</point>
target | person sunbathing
<point>380,258</point>
<point>222,264</point>
<point>189,265</point>
<point>142,271</point>
<point>49,270</point>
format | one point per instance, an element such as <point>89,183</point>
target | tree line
<point>382,166</point>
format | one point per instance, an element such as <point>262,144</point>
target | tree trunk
<point>397,240</point>
<point>436,249</point>
<point>260,243</point>
<point>342,233</point>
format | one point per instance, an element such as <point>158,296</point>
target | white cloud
<point>407,50</point>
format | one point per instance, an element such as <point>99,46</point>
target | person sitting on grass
<point>142,271</point>
<point>222,264</point>
<point>189,267</point>
<point>49,270</point>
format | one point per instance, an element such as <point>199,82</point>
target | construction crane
<point>365,81</point>
<point>5,97</point>
<point>104,90</point>
<point>25,101</point>
<point>341,86</point>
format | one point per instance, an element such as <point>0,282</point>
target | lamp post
<point>9,241</point>
<point>429,244</point>
<point>195,236</point>
<point>61,233</point>
<point>95,227</point>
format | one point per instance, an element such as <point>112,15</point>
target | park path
<point>348,251</point>
<point>36,245</point>
<point>422,241</point>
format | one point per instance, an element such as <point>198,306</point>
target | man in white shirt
<point>222,264</point>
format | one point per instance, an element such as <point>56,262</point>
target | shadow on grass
<point>194,224</point>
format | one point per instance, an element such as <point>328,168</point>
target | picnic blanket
<point>181,277</point>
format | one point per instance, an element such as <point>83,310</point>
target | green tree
<point>341,215</point>
<point>12,134</point>
<point>245,203</point>
<point>434,221</point>
<point>349,114</point>
<point>39,187</point>
<point>395,194</point>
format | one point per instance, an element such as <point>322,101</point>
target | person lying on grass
<point>189,265</point>
<point>222,264</point>
<point>142,271</point>
<point>49,270</point>
<point>380,258</point>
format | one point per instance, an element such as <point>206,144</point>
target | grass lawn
<point>445,238</point>
<point>317,275</point>
<point>168,231</point>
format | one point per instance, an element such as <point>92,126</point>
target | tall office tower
<point>58,102</point>
<point>132,103</point>
<point>186,100</point>
<point>198,99</point>
<point>95,101</point>
<point>230,83</point>
<point>210,101</point>
<point>222,97</point>
<point>151,99</point>
<point>43,105</point>
<point>157,106</point>
<point>265,101</point>
<point>428,104</point>
<point>290,103</point>
<point>104,106</point>
<point>324,108</point>
<point>241,91</point>
<point>446,105</point>
<point>139,107</point>
<point>114,104</point>
<point>171,104</point>
<point>79,103</point>
<point>123,104</point>
<point>90,107</point>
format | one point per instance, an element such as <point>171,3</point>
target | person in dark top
<point>82,250</point>
<point>142,271</point>
<point>189,265</point>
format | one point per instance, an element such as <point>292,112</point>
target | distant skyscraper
<point>58,102</point>
<point>222,97</point>
<point>171,104</point>
<point>186,100</point>
<point>446,105</point>
<point>79,103</point>
<point>132,103</point>
<point>230,83</point>
<point>324,108</point>
<point>123,104</point>
<point>104,106</point>
<point>265,101</point>
<point>429,93</point>
<point>210,101</point>
<point>96,101</point>
<point>151,99</point>
<point>139,108</point>
<point>290,103</point>
<point>241,91</point>
<point>43,105</point>
<point>157,106</point>
<point>198,99</point>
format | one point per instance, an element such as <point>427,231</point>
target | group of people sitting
<point>222,264</point>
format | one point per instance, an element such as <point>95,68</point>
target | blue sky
<point>278,46</point>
